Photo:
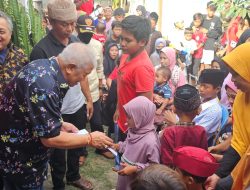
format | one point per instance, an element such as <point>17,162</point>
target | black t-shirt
<point>49,46</point>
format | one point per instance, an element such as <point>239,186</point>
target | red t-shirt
<point>100,37</point>
<point>114,74</point>
<point>199,38</point>
<point>176,136</point>
<point>134,77</point>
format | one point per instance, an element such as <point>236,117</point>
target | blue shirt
<point>30,110</point>
<point>210,117</point>
<point>163,90</point>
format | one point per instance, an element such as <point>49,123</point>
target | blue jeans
<point>10,185</point>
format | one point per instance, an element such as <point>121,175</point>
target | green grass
<point>97,169</point>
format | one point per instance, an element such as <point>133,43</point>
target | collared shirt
<point>48,47</point>
<point>14,60</point>
<point>210,116</point>
<point>163,90</point>
<point>30,110</point>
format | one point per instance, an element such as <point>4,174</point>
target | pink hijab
<point>171,54</point>
<point>177,76</point>
<point>142,110</point>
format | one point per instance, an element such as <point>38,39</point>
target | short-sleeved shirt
<point>163,91</point>
<point>210,117</point>
<point>200,38</point>
<point>176,136</point>
<point>135,76</point>
<point>30,110</point>
<point>49,46</point>
<point>14,60</point>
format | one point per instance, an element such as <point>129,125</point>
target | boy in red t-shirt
<point>136,72</point>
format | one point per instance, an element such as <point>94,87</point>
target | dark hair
<point>157,177</point>
<point>166,72</point>
<point>117,24</point>
<point>188,31</point>
<point>100,27</point>
<point>142,9</point>
<point>138,26</point>
<point>198,16</point>
<point>212,6</point>
<point>154,16</point>
<point>197,179</point>
<point>119,12</point>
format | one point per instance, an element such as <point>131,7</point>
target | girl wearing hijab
<point>168,58</point>
<point>141,11</point>
<point>245,37</point>
<point>141,147</point>
<point>109,62</point>
<point>239,65</point>
<point>155,57</point>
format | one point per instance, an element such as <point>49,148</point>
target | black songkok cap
<point>212,76</point>
<point>187,98</point>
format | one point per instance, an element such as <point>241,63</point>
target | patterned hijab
<point>142,110</point>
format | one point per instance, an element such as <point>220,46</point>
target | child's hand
<point>158,111</point>
<point>127,169</point>
<point>116,147</point>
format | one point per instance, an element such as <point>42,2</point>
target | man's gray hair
<point>78,54</point>
<point>8,20</point>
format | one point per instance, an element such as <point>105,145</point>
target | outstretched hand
<point>126,169</point>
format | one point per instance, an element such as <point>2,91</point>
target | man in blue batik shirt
<point>31,120</point>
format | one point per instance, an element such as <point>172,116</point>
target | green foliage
<point>238,7</point>
<point>27,23</point>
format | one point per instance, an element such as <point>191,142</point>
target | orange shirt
<point>135,76</point>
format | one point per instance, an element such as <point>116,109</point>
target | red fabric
<point>199,38</point>
<point>197,161</point>
<point>100,37</point>
<point>135,76</point>
<point>114,74</point>
<point>176,136</point>
<point>88,7</point>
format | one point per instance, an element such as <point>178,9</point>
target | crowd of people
<point>178,107</point>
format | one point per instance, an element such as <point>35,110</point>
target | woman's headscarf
<point>108,63</point>
<point>231,85</point>
<point>222,64</point>
<point>142,110</point>
<point>160,41</point>
<point>142,9</point>
<point>239,61</point>
<point>244,36</point>
<point>171,55</point>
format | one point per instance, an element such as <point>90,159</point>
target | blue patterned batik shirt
<point>30,110</point>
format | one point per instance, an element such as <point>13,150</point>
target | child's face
<point>210,13</point>
<point>159,78</point>
<point>230,96</point>
<point>188,37</point>
<point>153,23</point>
<point>208,91</point>
<point>215,65</point>
<point>117,31</point>
<point>130,121</point>
<point>164,59</point>
<point>240,82</point>
<point>129,44</point>
<point>197,23</point>
<point>113,52</point>
<point>119,17</point>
